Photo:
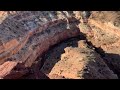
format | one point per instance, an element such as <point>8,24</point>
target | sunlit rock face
<point>105,36</point>
<point>25,35</point>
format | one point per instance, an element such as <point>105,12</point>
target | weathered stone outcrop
<point>80,62</point>
<point>24,43</point>
<point>25,35</point>
<point>105,29</point>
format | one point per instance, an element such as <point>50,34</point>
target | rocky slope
<point>104,26</point>
<point>26,36</point>
<point>80,62</point>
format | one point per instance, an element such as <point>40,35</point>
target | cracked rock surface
<point>56,45</point>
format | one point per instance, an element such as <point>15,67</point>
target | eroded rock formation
<point>79,62</point>
<point>27,35</point>
<point>105,29</point>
